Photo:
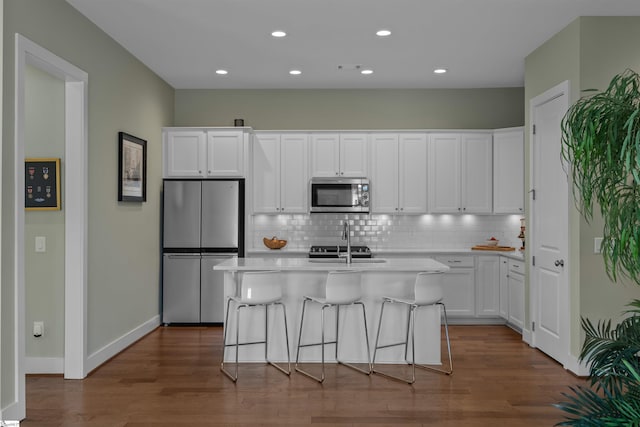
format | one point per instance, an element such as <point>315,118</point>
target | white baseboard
<point>11,412</point>
<point>44,365</point>
<point>108,351</point>
<point>580,369</point>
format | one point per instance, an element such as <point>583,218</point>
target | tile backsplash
<point>387,231</point>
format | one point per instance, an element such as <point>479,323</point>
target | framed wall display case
<point>42,184</point>
<point>132,168</point>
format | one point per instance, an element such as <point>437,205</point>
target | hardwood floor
<point>172,378</point>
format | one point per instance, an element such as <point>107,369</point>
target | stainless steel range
<point>333,251</point>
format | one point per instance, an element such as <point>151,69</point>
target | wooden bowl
<point>274,243</point>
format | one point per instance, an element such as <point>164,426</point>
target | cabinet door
<point>516,300</point>
<point>504,288</point>
<point>477,173</point>
<point>225,153</point>
<point>488,286</point>
<point>459,293</point>
<point>384,173</point>
<point>266,173</point>
<point>508,172</point>
<point>412,163</point>
<point>325,154</point>
<point>185,154</point>
<point>294,176</point>
<point>354,155</point>
<point>444,173</point>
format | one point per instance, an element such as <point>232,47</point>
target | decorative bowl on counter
<point>492,242</point>
<point>274,243</point>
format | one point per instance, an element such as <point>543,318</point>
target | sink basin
<point>343,261</point>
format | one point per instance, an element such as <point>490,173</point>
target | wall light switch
<point>38,329</point>
<point>597,244</point>
<point>41,244</point>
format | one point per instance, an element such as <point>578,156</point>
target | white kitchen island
<point>304,276</point>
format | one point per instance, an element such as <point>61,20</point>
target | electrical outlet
<point>597,245</point>
<point>38,329</point>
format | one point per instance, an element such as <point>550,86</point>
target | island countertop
<point>327,264</point>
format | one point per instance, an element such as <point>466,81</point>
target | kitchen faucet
<point>346,235</point>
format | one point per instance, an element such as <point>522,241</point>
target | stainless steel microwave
<point>340,195</point>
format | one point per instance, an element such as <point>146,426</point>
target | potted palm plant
<point>601,146</point>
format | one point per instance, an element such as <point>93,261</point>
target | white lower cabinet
<point>516,293</point>
<point>459,285</point>
<point>512,291</point>
<point>504,287</point>
<point>488,286</point>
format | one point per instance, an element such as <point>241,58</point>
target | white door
<point>266,173</point>
<point>225,154</point>
<point>549,226</point>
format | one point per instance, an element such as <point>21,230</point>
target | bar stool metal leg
<point>448,371</point>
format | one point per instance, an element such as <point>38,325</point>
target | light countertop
<point>381,253</point>
<point>306,264</point>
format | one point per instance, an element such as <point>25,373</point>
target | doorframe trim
<point>74,203</point>
<point>565,325</point>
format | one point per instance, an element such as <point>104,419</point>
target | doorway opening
<point>74,203</point>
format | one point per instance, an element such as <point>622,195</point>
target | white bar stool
<point>258,288</point>
<point>428,293</point>
<point>342,288</point>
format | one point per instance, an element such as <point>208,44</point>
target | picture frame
<point>42,184</point>
<point>132,168</point>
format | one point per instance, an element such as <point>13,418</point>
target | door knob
<point>559,263</point>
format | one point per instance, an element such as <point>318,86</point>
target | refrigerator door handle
<point>184,256</point>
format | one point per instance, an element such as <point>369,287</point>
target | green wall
<point>44,272</point>
<point>352,109</point>
<point>609,45</point>
<point>588,53</point>
<point>123,238</point>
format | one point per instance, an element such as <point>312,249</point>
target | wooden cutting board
<point>493,248</point>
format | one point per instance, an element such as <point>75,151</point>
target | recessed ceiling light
<point>295,72</point>
<point>278,33</point>
<point>440,70</point>
<point>222,72</point>
<point>366,71</point>
<point>383,33</point>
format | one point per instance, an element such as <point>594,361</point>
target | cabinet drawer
<point>516,267</point>
<point>456,261</point>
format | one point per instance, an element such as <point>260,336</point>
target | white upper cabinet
<point>204,153</point>
<point>460,173</point>
<point>225,153</point>
<point>280,173</point>
<point>335,154</point>
<point>399,173</point>
<point>444,173</point>
<point>184,153</point>
<point>477,173</point>
<point>508,171</point>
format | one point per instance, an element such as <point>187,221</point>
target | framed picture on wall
<point>132,168</point>
<point>42,184</point>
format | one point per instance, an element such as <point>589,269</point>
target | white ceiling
<point>483,43</point>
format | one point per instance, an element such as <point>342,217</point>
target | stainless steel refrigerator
<point>203,224</point>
